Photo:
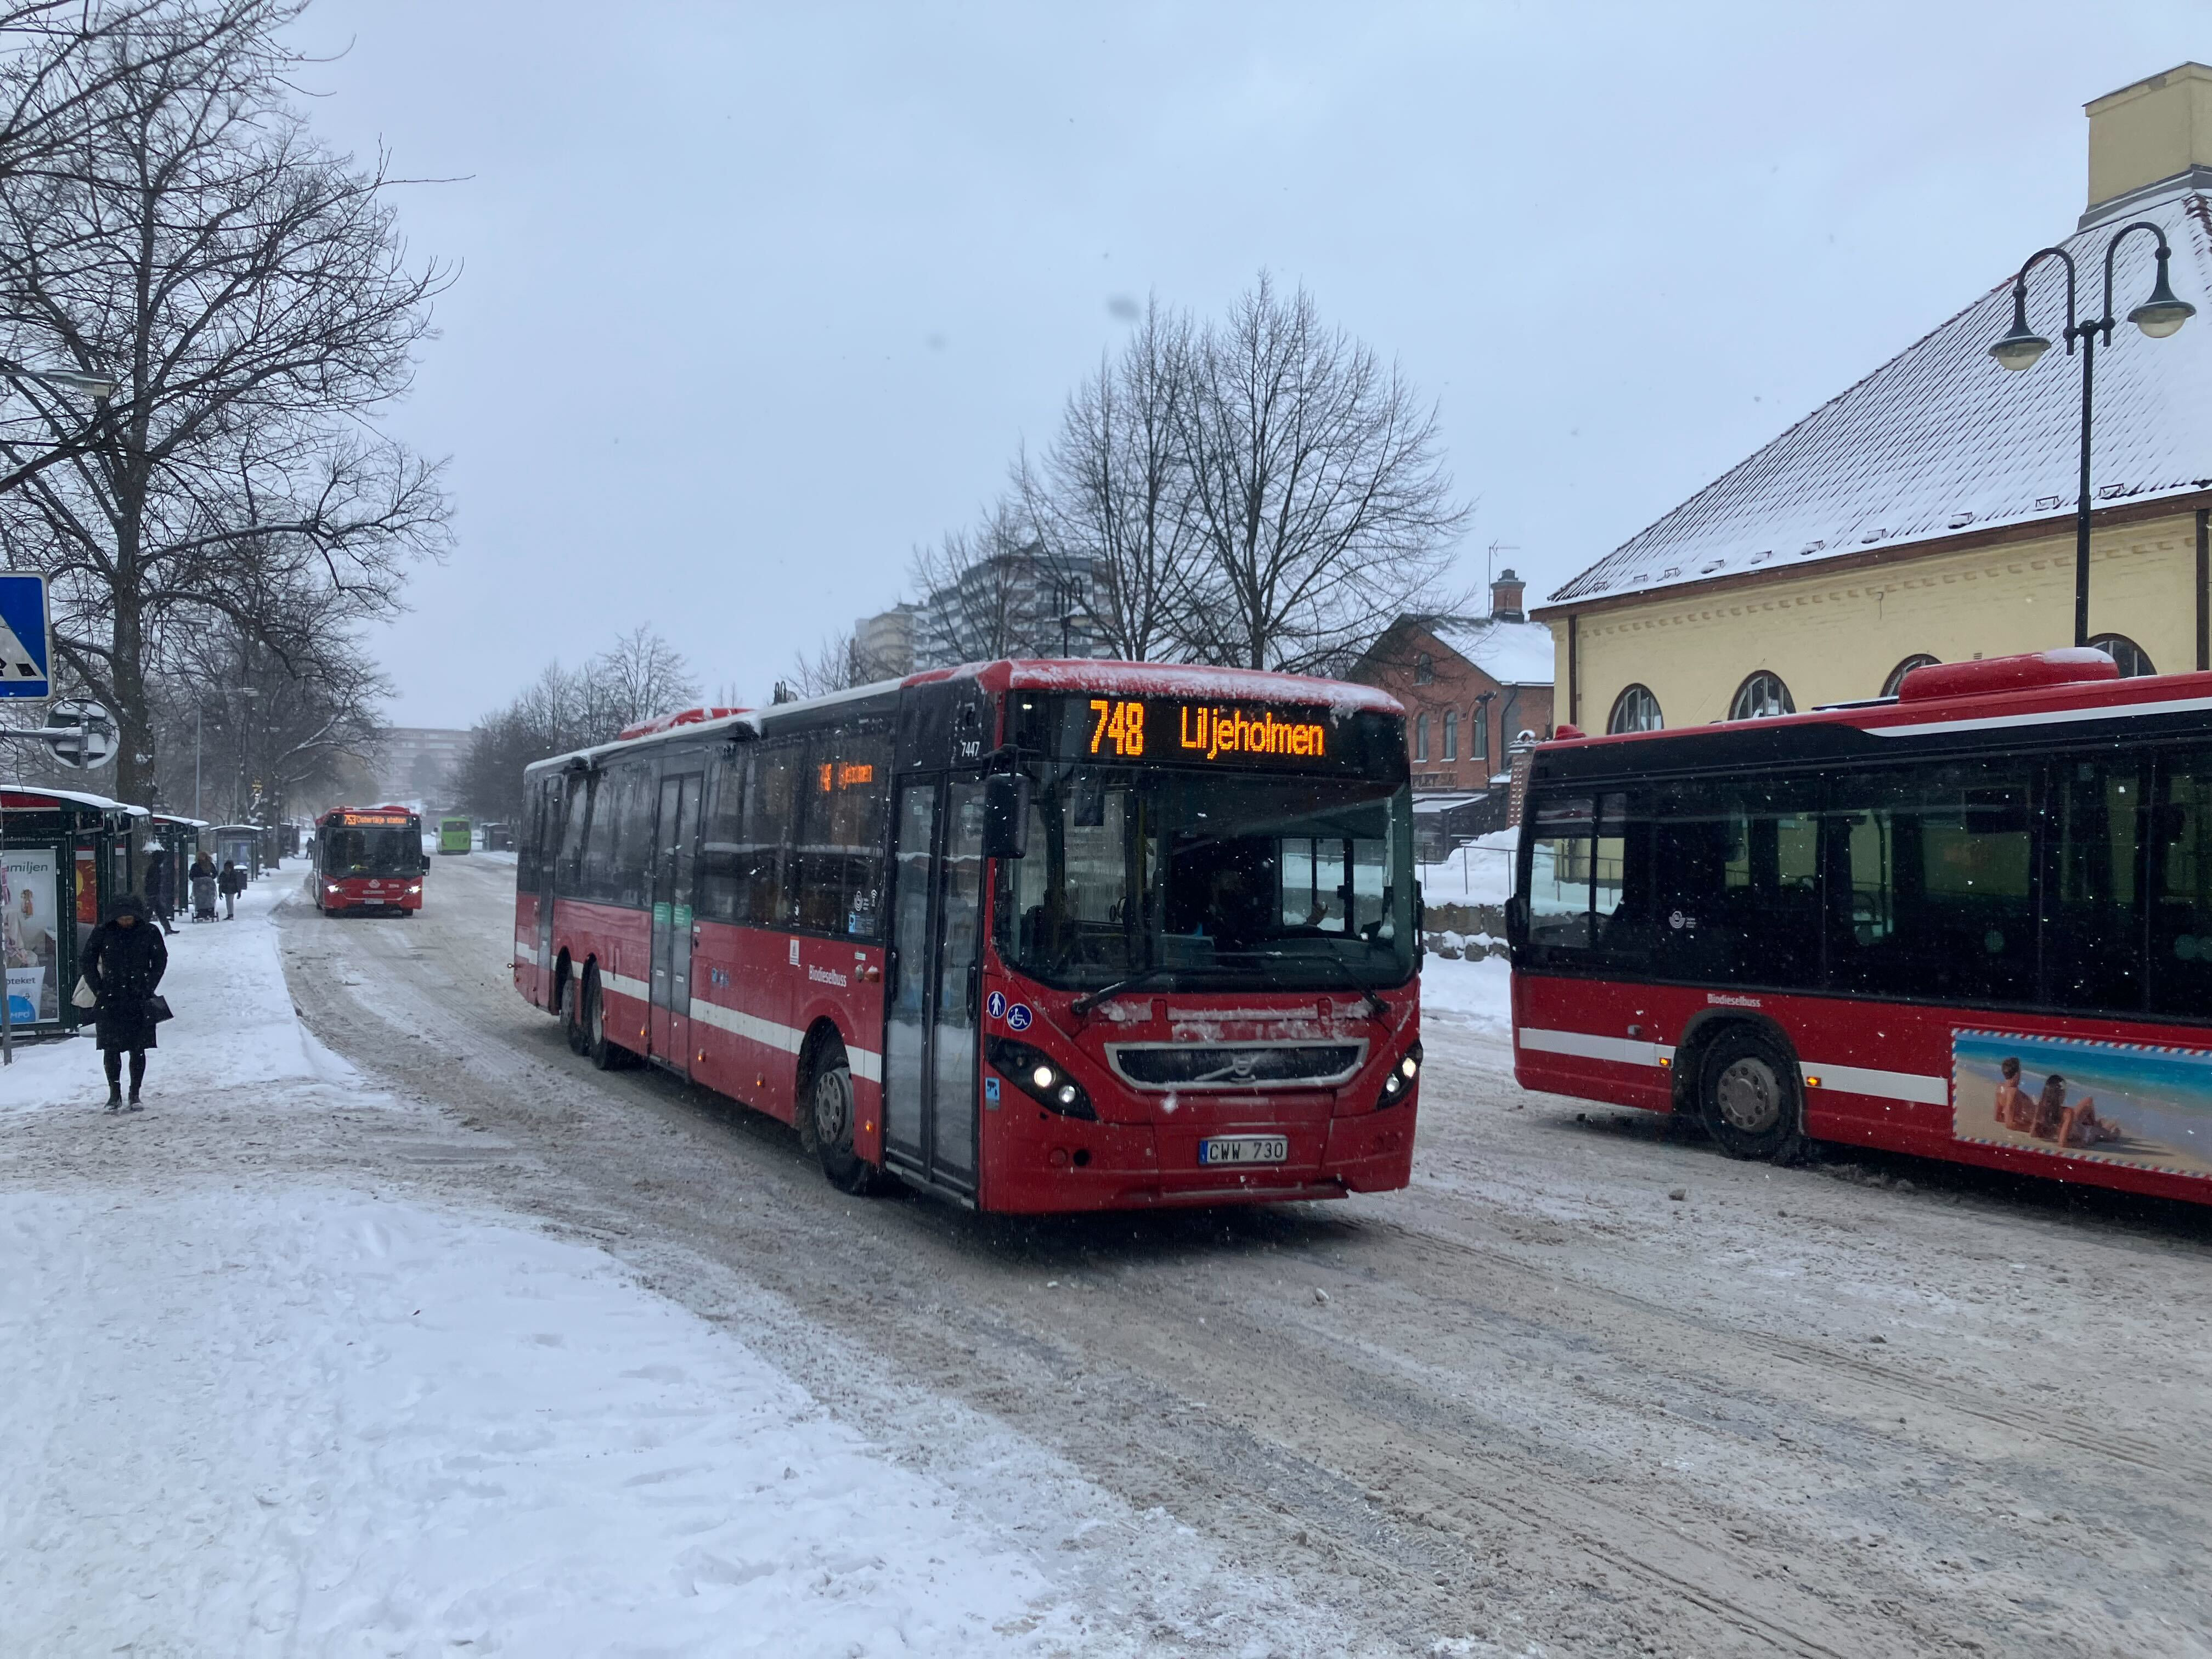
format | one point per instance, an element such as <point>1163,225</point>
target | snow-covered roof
<point>1940,440</point>
<point>1511,652</point>
<point>75,797</point>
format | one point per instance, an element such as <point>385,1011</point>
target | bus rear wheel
<point>1747,1096</point>
<point>572,1015</point>
<point>607,1056</point>
<point>826,1121</point>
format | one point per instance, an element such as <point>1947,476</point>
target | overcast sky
<point>753,298</point>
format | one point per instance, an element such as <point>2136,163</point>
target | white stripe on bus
<point>2054,717</point>
<point>867,1064</point>
<point>525,953</point>
<point>1915,1086</point>
<point>1584,1045</point>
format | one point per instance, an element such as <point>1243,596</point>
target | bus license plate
<point>1245,1149</point>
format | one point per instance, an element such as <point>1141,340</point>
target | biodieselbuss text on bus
<point>1971,922</point>
<point>367,858</point>
<point>1037,936</point>
<point>455,835</point>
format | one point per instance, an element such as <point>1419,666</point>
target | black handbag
<point>157,1009</point>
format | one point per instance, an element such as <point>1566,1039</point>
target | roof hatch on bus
<point>2065,666</point>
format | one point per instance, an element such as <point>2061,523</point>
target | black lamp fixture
<point>2021,346</point>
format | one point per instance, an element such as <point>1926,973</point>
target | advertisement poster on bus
<point>30,909</point>
<point>2119,1102</point>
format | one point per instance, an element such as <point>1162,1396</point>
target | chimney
<point>1505,598</point>
<point>2156,133</point>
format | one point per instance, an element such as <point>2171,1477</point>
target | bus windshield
<point>1201,880</point>
<point>371,852</point>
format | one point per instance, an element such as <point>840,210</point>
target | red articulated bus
<point>1971,922</point>
<point>1034,936</point>
<point>367,858</point>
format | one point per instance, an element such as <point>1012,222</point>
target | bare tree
<point>641,677</point>
<point>835,666</point>
<point>1112,499</point>
<point>1321,504</point>
<point>250,291</point>
<point>992,591</point>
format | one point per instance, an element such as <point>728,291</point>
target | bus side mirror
<point>1006,815</point>
<point>1516,921</point>
<point>426,863</point>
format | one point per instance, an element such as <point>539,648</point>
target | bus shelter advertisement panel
<point>30,912</point>
<point>2119,1102</point>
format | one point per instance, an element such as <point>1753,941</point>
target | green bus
<point>455,836</point>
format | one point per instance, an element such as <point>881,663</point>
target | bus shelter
<point>175,840</point>
<point>64,855</point>
<point>240,843</point>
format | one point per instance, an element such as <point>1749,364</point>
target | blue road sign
<point>26,666</point>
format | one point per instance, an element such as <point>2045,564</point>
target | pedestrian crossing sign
<point>25,663</point>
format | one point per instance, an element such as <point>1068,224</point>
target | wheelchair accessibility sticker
<point>1018,1017</point>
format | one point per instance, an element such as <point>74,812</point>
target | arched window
<point>1891,686</point>
<point>2124,652</point>
<point>1424,669</point>
<point>1420,737</point>
<point>1451,734</point>
<point>1635,710</point>
<point>1762,695</point>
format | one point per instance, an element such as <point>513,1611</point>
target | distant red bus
<point>367,858</point>
<point>1034,936</point>
<point>1971,921</point>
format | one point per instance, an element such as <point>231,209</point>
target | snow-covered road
<point>1587,1388</point>
<point>259,1402</point>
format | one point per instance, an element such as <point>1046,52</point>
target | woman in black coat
<point>123,962</point>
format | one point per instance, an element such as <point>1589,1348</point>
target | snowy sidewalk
<point>249,1414</point>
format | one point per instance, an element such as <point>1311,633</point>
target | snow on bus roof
<point>77,796</point>
<point>1046,674</point>
<point>1188,680</point>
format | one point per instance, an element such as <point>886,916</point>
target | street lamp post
<point>2020,348</point>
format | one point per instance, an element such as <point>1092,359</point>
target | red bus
<point>1971,922</point>
<point>1034,936</point>
<point>367,858</point>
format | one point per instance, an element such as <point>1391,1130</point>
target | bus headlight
<point>1039,1077</point>
<point>1398,1082</point>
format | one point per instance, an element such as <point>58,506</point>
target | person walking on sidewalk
<point>161,888</point>
<point>232,882</point>
<point>203,880</point>
<point>123,962</point>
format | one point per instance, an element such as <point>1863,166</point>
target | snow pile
<point>310,1421</point>
<point>1475,991</point>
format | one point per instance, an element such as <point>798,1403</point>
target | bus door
<point>674,847</point>
<point>550,827</point>
<point>929,1040</point>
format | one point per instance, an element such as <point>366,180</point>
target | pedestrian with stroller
<point>123,963</point>
<point>161,888</point>
<point>232,882</point>
<point>203,883</point>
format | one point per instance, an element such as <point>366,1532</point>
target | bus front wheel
<point>826,1121</point>
<point>1747,1096</point>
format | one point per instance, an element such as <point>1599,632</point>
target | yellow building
<point>1927,513</point>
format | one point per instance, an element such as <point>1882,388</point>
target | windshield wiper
<point>1082,1006</point>
<point>1377,1007</point>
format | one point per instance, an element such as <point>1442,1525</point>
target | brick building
<point>1927,513</point>
<point>1470,684</point>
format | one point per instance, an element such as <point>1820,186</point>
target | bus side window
<point>575,826</point>
<point>1576,873</point>
<point>2093,910</point>
<point>771,804</point>
<point>2181,886</point>
<point>724,869</point>
<point>1736,869</point>
<point>632,865</point>
<point>1937,868</point>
